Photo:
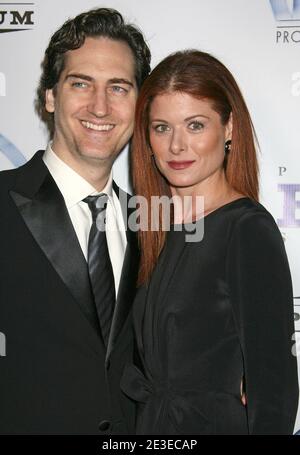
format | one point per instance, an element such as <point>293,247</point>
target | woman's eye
<point>195,126</point>
<point>161,128</point>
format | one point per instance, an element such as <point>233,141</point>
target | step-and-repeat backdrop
<point>260,43</point>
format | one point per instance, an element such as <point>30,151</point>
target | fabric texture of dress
<point>217,312</point>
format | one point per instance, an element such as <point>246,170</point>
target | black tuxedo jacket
<point>56,377</point>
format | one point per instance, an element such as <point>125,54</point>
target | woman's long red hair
<point>202,76</point>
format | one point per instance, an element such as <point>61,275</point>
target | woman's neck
<point>195,202</point>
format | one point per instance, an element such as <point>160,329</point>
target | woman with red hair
<point>213,318</point>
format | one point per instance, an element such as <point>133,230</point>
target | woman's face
<point>187,138</point>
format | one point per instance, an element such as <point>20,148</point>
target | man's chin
<point>96,155</point>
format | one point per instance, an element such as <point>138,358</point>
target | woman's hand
<point>243,395</point>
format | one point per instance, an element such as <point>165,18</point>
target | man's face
<point>94,103</point>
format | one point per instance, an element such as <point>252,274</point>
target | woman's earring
<point>227,147</point>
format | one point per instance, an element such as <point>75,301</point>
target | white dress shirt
<point>74,189</point>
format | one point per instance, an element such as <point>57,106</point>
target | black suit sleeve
<point>261,294</point>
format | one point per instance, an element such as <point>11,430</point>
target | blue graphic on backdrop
<point>290,206</point>
<point>285,10</point>
<point>11,152</point>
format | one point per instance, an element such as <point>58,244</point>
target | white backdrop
<point>260,43</point>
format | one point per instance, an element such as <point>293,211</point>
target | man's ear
<point>50,100</point>
<point>228,128</point>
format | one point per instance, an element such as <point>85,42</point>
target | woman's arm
<point>261,294</point>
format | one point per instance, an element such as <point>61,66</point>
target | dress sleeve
<point>261,293</point>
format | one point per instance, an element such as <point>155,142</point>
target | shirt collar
<point>72,186</point>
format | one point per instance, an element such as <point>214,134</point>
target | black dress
<point>215,312</point>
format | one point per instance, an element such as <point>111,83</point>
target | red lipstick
<point>177,165</point>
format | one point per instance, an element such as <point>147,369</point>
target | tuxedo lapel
<point>127,286</point>
<point>43,209</point>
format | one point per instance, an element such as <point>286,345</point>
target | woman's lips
<point>177,165</point>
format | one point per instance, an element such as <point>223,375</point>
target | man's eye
<point>195,125</point>
<point>118,89</point>
<point>79,84</point>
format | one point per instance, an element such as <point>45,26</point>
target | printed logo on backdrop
<point>297,322</point>
<point>287,16</point>
<point>291,205</point>
<point>295,91</point>
<point>289,219</point>
<point>11,152</point>
<point>16,17</point>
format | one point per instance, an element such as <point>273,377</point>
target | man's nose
<point>99,104</point>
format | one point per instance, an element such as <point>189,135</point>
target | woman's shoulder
<point>241,212</point>
<point>244,209</point>
<point>241,207</point>
<point>245,206</point>
<point>250,218</point>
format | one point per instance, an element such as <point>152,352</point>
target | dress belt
<point>135,385</point>
<point>166,407</point>
<point>138,387</point>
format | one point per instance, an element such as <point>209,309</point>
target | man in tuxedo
<point>67,282</point>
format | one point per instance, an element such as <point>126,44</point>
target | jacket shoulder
<point>7,178</point>
<point>27,170</point>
